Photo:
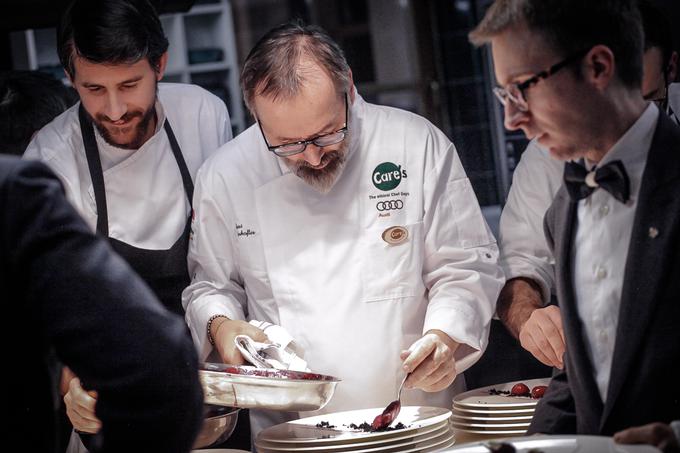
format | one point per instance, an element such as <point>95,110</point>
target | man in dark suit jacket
<point>570,77</point>
<point>67,297</point>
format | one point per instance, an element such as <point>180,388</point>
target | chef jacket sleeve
<point>524,250</point>
<point>461,269</point>
<point>216,286</point>
<point>101,319</point>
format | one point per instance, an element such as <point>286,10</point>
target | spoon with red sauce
<point>390,413</point>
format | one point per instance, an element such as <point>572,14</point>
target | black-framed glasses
<point>516,92</point>
<point>331,138</point>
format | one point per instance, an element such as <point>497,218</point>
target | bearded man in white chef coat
<point>128,151</point>
<point>351,225</point>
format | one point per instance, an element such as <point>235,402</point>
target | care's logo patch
<point>387,176</point>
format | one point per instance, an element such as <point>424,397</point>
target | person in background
<point>80,304</point>
<point>28,101</point>
<point>128,151</point>
<point>351,225</point>
<point>525,305</point>
<point>571,78</point>
<point>660,59</point>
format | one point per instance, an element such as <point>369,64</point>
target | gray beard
<point>322,180</point>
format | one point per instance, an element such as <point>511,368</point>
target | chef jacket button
<point>395,235</point>
<point>604,210</point>
<point>601,273</point>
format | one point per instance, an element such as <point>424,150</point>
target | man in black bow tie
<point>571,78</point>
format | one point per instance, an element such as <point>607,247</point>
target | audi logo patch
<point>389,205</point>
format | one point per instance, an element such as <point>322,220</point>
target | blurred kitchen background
<point>412,54</point>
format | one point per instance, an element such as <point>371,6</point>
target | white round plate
<point>305,430</point>
<point>464,411</point>
<point>494,432</point>
<point>489,420</point>
<point>439,441</point>
<point>482,398</point>
<point>368,443</point>
<point>558,444</point>
<point>491,426</point>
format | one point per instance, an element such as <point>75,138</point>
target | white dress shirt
<point>601,245</point>
<point>524,250</point>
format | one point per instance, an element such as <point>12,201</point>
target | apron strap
<point>181,163</point>
<point>95,165</point>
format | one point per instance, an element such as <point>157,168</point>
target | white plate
<point>493,420</point>
<point>493,432</point>
<point>433,441</point>
<point>464,411</point>
<point>559,444</point>
<point>427,434</point>
<point>304,430</point>
<point>491,426</point>
<point>481,398</point>
<point>443,441</point>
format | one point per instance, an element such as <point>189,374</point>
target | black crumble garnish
<point>367,428</point>
<point>324,424</point>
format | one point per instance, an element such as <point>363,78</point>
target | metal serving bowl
<point>259,388</point>
<point>218,424</point>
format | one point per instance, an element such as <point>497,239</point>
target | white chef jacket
<point>147,205</point>
<point>265,245</point>
<point>600,248</point>
<point>524,250</point>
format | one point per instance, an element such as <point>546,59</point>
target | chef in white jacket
<point>351,225</point>
<point>128,151</point>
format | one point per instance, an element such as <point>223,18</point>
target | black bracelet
<point>210,321</point>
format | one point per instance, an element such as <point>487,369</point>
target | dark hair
<point>657,29</point>
<point>110,31</point>
<point>28,101</point>
<point>572,26</point>
<point>273,66</point>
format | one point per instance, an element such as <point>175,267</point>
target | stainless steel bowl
<point>258,388</point>
<point>218,424</point>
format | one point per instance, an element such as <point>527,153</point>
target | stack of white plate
<point>427,429</point>
<point>483,414</point>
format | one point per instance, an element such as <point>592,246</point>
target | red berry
<point>519,390</point>
<point>538,391</point>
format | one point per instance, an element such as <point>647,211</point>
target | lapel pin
<point>395,235</point>
<point>653,232</point>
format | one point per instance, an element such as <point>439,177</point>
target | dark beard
<point>140,129</point>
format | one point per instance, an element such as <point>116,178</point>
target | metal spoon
<point>390,413</point>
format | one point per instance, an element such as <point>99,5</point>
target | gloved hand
<point>430,361</point>
<point>224,331</point>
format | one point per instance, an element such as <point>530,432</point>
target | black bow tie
<point>612,177</point>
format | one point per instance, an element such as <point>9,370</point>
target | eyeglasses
<point>290,149</point>
<point>516,92</point>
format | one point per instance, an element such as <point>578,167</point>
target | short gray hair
<point>273,66</point>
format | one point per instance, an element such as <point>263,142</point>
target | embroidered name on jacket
<point>244,232</point>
